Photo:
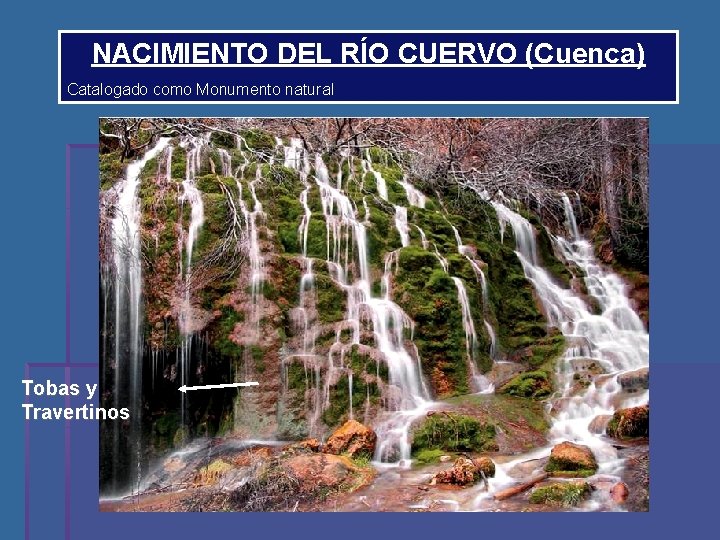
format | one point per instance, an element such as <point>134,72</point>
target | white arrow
<point>184,388</point>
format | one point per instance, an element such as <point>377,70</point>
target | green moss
<point>566,468</point>
<point>531,384</point>
<point>317,238</point>
<point>296,376</point>
<point>503,408</point>
<point>428,455</point>
<point>429,296</point>
<point>413,259</point>
<point>454,433</point>
<point>339,409</point>
<point>111,169</point>
<point>178,163</point>
<point>226,325</point>
<point>362,363</point>
<point>223,140</point>
<point>258,140</point>
<point>566,494</point>
<point>289,238</point>
<point>164,429</point>
<point>547,349</point>
<point>331,301</point>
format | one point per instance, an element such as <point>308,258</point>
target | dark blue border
<point>555,81</point>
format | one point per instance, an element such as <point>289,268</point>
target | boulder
<point>463,472</point>
<point>352,439</point>
<point>633,381</point>
<point>571,460</point>
<point>599,424</point>
<point>630,423</point>
<point>314,471</point>
<point>565,494</point>
<point>484,466</point>
<point>308,445</point>
<point>619,492</point>
<point>210,474</point>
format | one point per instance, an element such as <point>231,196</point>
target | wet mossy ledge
<point>220,293</point>
<point>449,432</point>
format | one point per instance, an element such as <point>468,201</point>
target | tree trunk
<point>512,491</point>
<point>608,183</point>
<point>643,156</point>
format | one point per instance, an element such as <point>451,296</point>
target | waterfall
<point>480,274</point>
<point>414,196</point>
<point>128,321</point>
<point>304,315</point>
<point>251,240</point>
<point>380,183</point>
<point>346,234</point>
<point>401,224</point>
<point>570,222</point>
<point>186,322</point>
<point>616,339</point>
<point>483,386</point>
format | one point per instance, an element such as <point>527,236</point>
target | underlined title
<point>394,66</point>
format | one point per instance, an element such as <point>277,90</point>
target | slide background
<point>684,291</point>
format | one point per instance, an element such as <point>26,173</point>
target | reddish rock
<point>619,492</point>
<point>463,472</point>
<point>320,470</point>
<point>352,439</point>
<point>630,423</point>
<point>308,445</point>
<point>484,465</point>
<point>568,458</point>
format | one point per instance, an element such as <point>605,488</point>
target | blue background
<point>684,205</point>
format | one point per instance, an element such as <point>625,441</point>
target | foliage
<point>453,433</point>
<point>428,455</point>
<point>565,494</point>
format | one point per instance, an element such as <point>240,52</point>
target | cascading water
<point>615,340</point>
<point>252,243</point>
<point>192,196</point>
<point>409,398</point>
<point>481,383</point>
<point>401,224</point>
<point>128,323</point>
<point>414,196</point>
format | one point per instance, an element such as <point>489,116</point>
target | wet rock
<point>585,371</point>
<point>308,445</point>
<point>619,492</point>
<point>564,494</point>
<point>630,423</point>
<point>353,439</point>
<point>599,424</point>
<point>572,460</point>
<point>210,474</point>
<point>463,472</point>
<point>634,381</point>
<point>445,459</point>
<point>485,465</point>
<point>503,372</point>
<point>314,471</point>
